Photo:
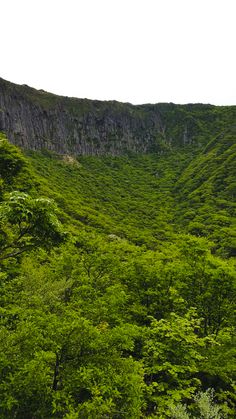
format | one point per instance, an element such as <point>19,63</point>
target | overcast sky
<point>138,51</point>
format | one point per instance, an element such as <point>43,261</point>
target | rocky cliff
<point>35,119</point>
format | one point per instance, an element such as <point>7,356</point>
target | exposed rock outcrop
<point>35,119</point>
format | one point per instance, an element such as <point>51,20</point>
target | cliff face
<point>35,119</point>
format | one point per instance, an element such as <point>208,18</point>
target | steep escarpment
<point>35,119</point>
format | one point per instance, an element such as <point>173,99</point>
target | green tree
<point>172,355</point>
<point>204,407</point>
<point>27,223</point>
<point>15,171</point>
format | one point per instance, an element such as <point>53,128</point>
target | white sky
<point>138,51</point>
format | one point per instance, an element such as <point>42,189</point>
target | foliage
<point>204,407</point>
<point>26,223</point>
<point>134,314</point>
<point>15,172</point>
<point>171,355</point>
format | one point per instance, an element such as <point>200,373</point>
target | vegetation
<point>118,284</point>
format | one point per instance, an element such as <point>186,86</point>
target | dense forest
<point>118,282</point>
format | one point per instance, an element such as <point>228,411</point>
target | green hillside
<point>118,282</point>
<point>206,193</point>
<point>148,198</point>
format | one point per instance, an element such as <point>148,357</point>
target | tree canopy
<point>127,315</point>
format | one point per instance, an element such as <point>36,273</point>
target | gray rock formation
<point>35,119</point>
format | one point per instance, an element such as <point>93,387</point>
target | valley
<point>117,257</point>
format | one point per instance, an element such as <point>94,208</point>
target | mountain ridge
<point>34,119</point>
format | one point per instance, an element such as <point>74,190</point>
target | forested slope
<point>118,299</point>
